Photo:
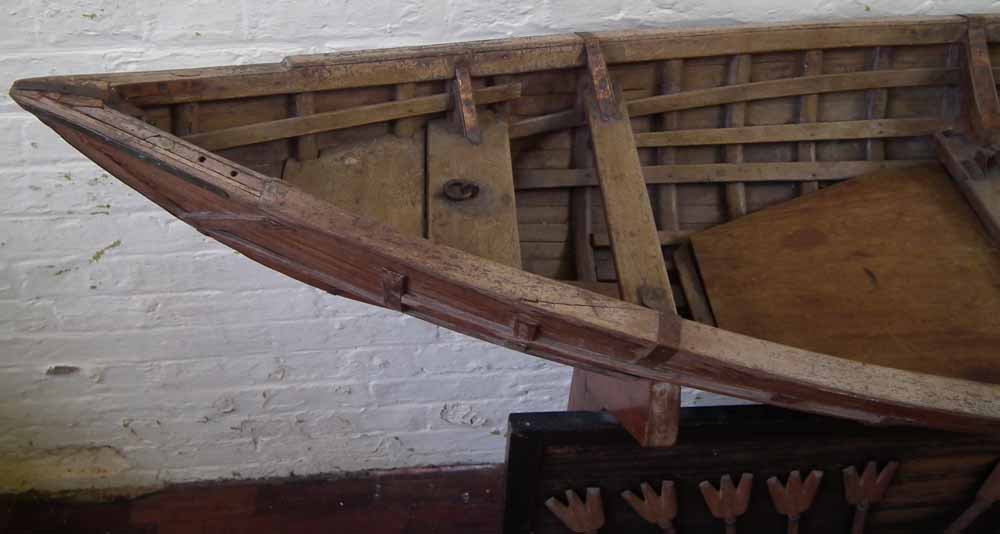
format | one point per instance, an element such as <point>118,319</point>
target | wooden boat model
<point>544,194</point>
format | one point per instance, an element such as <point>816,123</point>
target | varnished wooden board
<point>486,224</point>
<point>382,178</point>
<point>892,269</point>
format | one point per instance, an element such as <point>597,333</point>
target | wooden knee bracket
<point>464,104</point>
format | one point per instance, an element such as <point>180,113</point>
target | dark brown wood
<point>979,183</point>
<point>938,476</point>
<point>984,106</point>
<point>728,502</point>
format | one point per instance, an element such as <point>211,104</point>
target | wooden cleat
<point>866,490</point>
<point>580,517</point>
<point>728,502</point>
<point>657,509</point>
<point>795,498</point>
<point>988,494</point>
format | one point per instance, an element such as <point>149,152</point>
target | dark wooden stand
<point>549,453</point>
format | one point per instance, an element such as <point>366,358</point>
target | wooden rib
<point>694,290</point>
<point>736,194</point>
<point>671,81</point>
<point>809,84</point>
<point>370,68</point>
<point>406,127</point>
<point>793,171</point>
<point>877,101</point>
<point>581,210</point>
<point>985,112</point>
<point>334,120</point>
<point>464,104</point>
<point>304,104</point>
<point>666,237</point>
<point>793,132</point>
<point>981,188</point>
<point>185,119</point>
<point>812,64</point>
<point>547,123</point>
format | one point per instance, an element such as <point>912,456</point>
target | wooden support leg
<point>648,410</point>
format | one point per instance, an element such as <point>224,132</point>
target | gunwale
<point>579,327</point>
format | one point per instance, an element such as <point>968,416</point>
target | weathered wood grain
<point>484,224</point>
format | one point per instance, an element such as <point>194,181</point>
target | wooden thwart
<point>334,120</point>
<point>470,191</point>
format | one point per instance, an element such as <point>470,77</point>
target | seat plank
<point>486,223</point>
<point>892,269</point>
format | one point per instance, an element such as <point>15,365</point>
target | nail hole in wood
<point>201,159</point>
<point>460,190</point>
<point>233,174</point>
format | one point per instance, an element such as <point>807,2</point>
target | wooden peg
<point>657,509</point>
<point>393,288</point>
<point>728,502</point>
<point>464,104</point>
<point>793,499</point>
<point>583,518</point>
<point>988,494</point>
<point>866,490</point>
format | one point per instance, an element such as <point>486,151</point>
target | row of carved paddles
<point>730,501</point>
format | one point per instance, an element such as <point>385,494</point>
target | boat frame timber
<point>327,247</point>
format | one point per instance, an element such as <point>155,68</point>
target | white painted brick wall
<point>195,363</point>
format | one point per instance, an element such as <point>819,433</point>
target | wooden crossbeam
<point>647,409</point>
<point>346,118</point>
<point>976,171</point>
<point>792,171</point>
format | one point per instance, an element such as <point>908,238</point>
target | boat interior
<point>745,138</point>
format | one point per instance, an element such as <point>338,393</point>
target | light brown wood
<point>334,120</point>
<point>846,255</point>
<point>671,82</point>
<point>666,237</point>
<point>649,411</point>
<point>865,490</point>
<point>582,517</point>
<point>716,173</point>
<point>658,509</point>
<point>485,224</point>
<point>406,127</point>
<point>794,498</point>
<point>463,108</point>
<point>793,132</point>
<point>304,104</point>
<point>694,290</point>
<point>877,101</point>
<point>736,196</point>
<point>382,178</point>
<point>728,502</point>
<point>812,64</point>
